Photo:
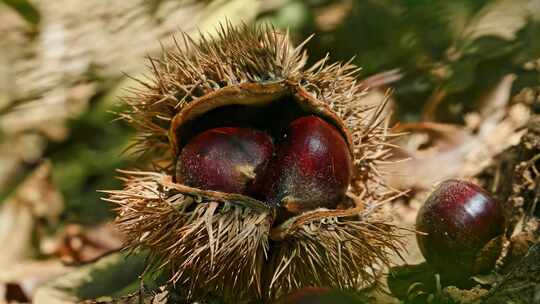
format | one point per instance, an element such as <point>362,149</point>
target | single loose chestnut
<point>460,227</point>
<point>312,169</point>
<point>227,159</point>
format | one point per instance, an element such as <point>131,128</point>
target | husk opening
<point>252,95</point>
<point>259,60</point>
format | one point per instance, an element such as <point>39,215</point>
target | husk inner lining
<point>266,107</point>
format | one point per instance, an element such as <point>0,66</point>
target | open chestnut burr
<point>226,240</point>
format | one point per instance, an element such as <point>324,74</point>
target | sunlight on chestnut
<point>228,159</point>
<point>312,169</point>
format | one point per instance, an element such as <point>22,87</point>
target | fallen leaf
<point>111,277</point>
<point>76,244</point>
<point>438,151</point>
<point>36,198</point>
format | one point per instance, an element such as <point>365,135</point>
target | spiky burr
<point>231,244</point>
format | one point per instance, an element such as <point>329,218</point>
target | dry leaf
<point>35,198</point>
<point>105,277</point>
<point>440,151</point>
<point>28,276</point>
<point>44,79</point>
<point>76,244</point>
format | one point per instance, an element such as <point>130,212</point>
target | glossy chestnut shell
<point>459,229</point>
<point>228,159</point>
<point>312,169</point>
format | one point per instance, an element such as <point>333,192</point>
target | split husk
<point>229,245</point>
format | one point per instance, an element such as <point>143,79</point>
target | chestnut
<point>460,229</point>
<point>312,168</point>
<point>227,159</point>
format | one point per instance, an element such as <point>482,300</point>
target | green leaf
<point>463,75</point>
<point>529,43</point>
<point>114,276</point>
<point>110,276</point>
<point>8,189</point>
<point>28,11</point>
<point>86,161</point>
<point>411,280</point>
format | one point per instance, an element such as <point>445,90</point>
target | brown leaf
<point>35,198</point>
<point>438,151</point>
<point>76,244</point>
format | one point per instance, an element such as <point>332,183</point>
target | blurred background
<point>467,71</point>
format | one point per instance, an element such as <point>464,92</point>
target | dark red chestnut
<point>460,228</point>
<point>312,168</point>
<point>227,159</point>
